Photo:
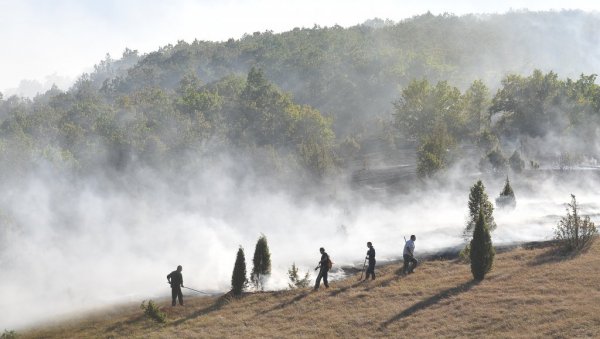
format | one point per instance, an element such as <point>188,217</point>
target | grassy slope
<point>531,292</point>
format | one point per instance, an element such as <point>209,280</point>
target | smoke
<point>73,243</point>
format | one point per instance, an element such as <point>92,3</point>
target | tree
<point>478,201</point>
<point>238,278</point>
<point>482,251</point>
<point>507,196</point>
<point>295,281</point>
<point>261,263</point>
<point>575,233</point>
<point>433,152</point>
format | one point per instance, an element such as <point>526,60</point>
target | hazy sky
<point>46,40</point>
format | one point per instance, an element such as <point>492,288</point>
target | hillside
<point>532,292</point>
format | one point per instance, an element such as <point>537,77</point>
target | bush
<point>152,311</point>
<point>482,251</point>
<point>574,232</point>
<point>238,278</point>
<point>261,263</point>
<point>295,280</point>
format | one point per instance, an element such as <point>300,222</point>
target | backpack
<point>329,263</point>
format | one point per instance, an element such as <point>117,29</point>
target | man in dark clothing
<point>324,268</point>
<point>371,257</point>
<point>176,280</point>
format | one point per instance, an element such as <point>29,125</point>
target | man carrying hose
<point>176,280</point>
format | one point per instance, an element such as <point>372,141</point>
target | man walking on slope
<point>176,280</point>
<point>371,257</point>
<point>409,257</point>
<point>324,265</point>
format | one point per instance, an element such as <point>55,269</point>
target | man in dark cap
<point>176,280</point>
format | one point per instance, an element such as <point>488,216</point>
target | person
<point>409,256</point>
<point>371,258</point>
<point>324,268</point>
<point>176,280</point>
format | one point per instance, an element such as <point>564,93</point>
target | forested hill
<point>308,98</point>
<point>354,73</point>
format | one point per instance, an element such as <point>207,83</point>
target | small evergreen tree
<point>478,199</point>
<point>238,278</point>
<point>507,196</point>
<point>261,263</point>
<point>295,281</point>
<point>574,232</point>
<point>482,251</point>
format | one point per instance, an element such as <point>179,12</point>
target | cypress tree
<point>482,251</point>
<point>507,196</point>
<point>478,200</point>
<point>261,262</point>
<point>238,278</point>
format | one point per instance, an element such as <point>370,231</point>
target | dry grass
<point>531,292</point>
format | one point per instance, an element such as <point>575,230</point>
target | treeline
<point>444,120</point>
<point>309,99</point>
<point>87,131</point>
<point>352,74</point>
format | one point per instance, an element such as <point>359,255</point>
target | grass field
<point>532,291</point>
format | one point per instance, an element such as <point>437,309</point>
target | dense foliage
<point>308,100</point>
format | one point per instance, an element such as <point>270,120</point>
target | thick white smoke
<point>71,245</point>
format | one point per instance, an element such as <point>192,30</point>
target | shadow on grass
<point>122,324</point>
<point>287,303</point>
<point>430,301</point>
<point>344,289</point>
<point>222,300</point>
<point>555,253</point>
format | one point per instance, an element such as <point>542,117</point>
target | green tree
<point>477,103</point>
<point>479,201</point>
<point>238,278</point>
<point>506,197</point>
<point>261,263</point>
<point>482,251</point>
<point>433,153</point>
<point>574,232</point>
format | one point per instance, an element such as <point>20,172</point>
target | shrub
<point>261,263</point>
<point>575,233</point>
<point>482,251</point>
<point>238,278</point>
<point>295,281</point>
<point>152,311</point>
